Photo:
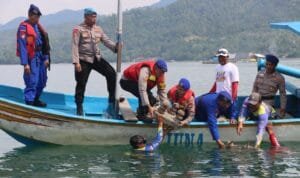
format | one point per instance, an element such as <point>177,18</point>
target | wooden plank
<point>126,110</point>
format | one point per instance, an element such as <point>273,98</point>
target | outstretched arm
<point>108,42</point>
<point>158,139</point>
<point>214,88</point>
<point>190,112</point>
<point>243,114</point>
<point>212,123</point>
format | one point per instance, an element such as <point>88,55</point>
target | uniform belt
<point>267,97</point>
<point>86,53</point>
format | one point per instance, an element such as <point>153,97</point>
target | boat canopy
<point>293,26</point>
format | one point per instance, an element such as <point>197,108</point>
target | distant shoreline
<point>125,62</point>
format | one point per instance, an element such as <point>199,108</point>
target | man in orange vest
<point>34,52</point>
<point>140,78</point>
<point>183,102</point>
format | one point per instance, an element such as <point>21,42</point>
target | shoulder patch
<point>75,31</point>
<point>22,31</point>
<point>22,34</point>
<point>22,28</point>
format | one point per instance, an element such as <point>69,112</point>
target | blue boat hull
<point>58,124</point>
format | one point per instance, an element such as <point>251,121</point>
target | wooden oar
<point>119,55</point>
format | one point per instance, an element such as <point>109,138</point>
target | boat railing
<point>290,71</point>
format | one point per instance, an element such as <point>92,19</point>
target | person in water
<point>139,143</point>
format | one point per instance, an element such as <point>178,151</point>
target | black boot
<point>110,110</point>
<point>29,103</point>
<point>79,110</point>
<point>142,112</point>
<point>37,102</point>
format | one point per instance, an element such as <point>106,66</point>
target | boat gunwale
<point>59,116</point>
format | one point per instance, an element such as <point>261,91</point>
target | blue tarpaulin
<point>293,26</point>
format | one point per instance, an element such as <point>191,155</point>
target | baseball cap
<point>222,52</point>
<point>254,98</point>
<point>224,95</point>
<point>162,65</point>
<point>271,58</point>
<point>34,10</point>
<point>184,83</point>
<point>89,11</point>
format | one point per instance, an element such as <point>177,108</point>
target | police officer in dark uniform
<point>87,56</point>
<point>34,52</point>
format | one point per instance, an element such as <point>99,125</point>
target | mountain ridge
<point>185,30</point>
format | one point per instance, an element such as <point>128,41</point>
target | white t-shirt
<point>225,75</point>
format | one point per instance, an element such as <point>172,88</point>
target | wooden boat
<point>58,124</point>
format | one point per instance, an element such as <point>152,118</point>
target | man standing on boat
<point>87,56</point>
<point>34,51</point>
<point>208,107</point>
<point>268,82</point>
<point>140,78</point>
<point>227,79</point>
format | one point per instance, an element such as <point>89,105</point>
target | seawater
<point>17,160</point>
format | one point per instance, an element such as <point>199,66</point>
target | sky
<point>10,9</point>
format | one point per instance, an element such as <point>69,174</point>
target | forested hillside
<point>186,30</point>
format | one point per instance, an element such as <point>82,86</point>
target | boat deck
<point>61,104</point>
<point>95,107</point>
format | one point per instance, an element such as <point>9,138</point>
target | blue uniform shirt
<point>207,110</point>
<point>21,40</point>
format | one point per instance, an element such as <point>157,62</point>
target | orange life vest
<point>133,72</point>
<point>183,100</point>
<point>30,40</point>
